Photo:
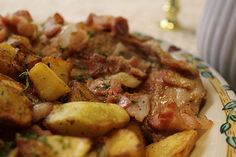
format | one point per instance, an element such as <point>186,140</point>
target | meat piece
<point>39,131</point>
<point>41,110</point>
<point>79,92</point>
<point>3,30</point>
<point>25,14</point>
<point>21,23</point>
<point>78,40</point>
<point>140,106</point>
<point>15,107</point>
<point>175,101</point>
<point>105,90</point>
<point>53,25</point>
<point>167,60</point>
<point>117,25</point>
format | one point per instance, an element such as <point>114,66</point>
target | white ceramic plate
<point>220,140</point>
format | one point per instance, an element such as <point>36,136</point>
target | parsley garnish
<point>44,140</point>
<point>28,135</point>
<point>25,76</point>
<point>90,34</point>
<point>79,78</point>
<point>62,49</point>
<point>6,148</point>
<point>103,86</point>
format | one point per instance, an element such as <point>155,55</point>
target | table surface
<point>143,15</point>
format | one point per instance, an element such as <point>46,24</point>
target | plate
<point>220,140</point>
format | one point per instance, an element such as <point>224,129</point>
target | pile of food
<point>92,89</point>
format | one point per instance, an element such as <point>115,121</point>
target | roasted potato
<point>15,107</point>
<point>13,153</point>
<point>8,65</point>
<point>54,146</point>
<point>59,66</point>
<point>48,85</point>
<point>135,127</point>
<point>89,119</point>
<point>126,79</point>
<point>79,92</point>
<point>177,145</point>
<point>124,143</point>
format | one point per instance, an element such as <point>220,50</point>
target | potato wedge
<point>59,66</point>
<point>126,79</point>
<point>83,118</point>
<point>92,154</point>
<point>124,143</point>
<point>68,146</point>
<point>13,153</point>
<point>54,146</point>
<point>8,64</point>
<point>177,145</point>
<point>48,85</point>
<point>15,107</point>
<point>135,127</point>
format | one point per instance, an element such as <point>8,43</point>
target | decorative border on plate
<point>229,127</point>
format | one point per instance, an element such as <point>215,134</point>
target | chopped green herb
<point>81,66</point>
<point>6,148</point>
<point>2,93</point>
<point>79,78</point>
<point>105,54</point>
<point>66,145</point>
<point>29,135</point>
<point>62,49</point>
<point>25,76</point>
<point>44,140</point>
<point>90,34</point>
<point>39,53</point>
<point>34,153</point>
<point>48,64</point>
<point>133,101</point>
<point>103,86</point>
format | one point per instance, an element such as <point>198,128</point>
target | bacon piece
<point>21,23</point>
<point>3,30</point>
<point>41,110</point>
<point>78,40</point>
<point>39,131</point>
<point>117,25</point>
<point>140,106</point>
<point>175,101</point>
<point>105,90</point>
<point>53,25</point>
<point>25,14</point>
<point>167,60</point>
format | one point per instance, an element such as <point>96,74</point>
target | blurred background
<point>143,15</point>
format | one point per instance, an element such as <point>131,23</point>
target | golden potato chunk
<point>54,146</point>
<point>15,107</point>
<point>59,66</point>
<point>86,118</point>
<point>69,146</point>
<point>8,65</point>
<point>48,85</point>
<point>13,153</point>
<point>177,145</point>
<point>79,92</point>
<point>126,79</point>
<point>124,143</point>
